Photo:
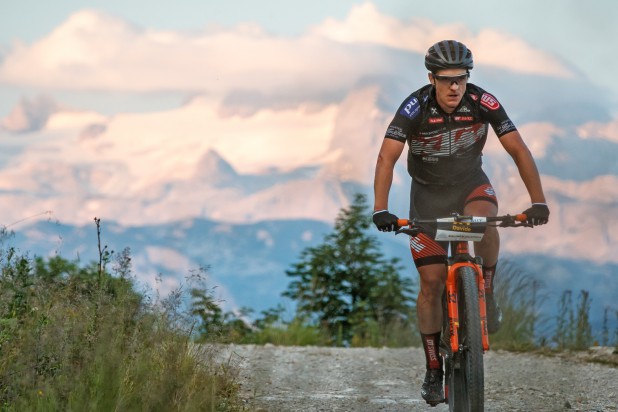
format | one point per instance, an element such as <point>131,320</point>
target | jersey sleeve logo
<point>489,101</point>
<point>396,132</point>
<point>411,108</point>
<point>505,127</point>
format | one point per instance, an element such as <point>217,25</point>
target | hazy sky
<point>217,73</point>
<point>570,26</point>
<point>581,33</point>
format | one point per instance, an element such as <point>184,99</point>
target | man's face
<point>450,85</point>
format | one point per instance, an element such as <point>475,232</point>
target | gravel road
<point>275,378</point>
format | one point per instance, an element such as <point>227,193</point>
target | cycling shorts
<point>433,201</point>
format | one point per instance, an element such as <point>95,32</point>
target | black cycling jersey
<point>446,149</point>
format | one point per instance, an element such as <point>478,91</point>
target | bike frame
<point>462,232</point>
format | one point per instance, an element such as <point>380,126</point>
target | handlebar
<point>459,227</point>
<point>505,221</point>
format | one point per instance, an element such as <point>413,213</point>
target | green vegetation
<point>573,329</point>
<point>75,337</point>
<point>80,338</point>
<point>348,288</point>
<point>518,294</point>
<point>273,328</point>
<point>525,328</point>
<point>347,293</point>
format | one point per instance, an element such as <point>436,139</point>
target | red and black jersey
<point>446,149</point>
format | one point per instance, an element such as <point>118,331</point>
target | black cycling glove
<point>385,221</point>
<point>538,214</point>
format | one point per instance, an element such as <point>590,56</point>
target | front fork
<point>453,309</point>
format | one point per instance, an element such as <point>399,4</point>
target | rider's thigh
<point>488,248</point>
<point>481,208</point>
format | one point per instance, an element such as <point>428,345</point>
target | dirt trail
<point>277,378</point>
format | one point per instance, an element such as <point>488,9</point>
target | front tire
<point>465,375</point>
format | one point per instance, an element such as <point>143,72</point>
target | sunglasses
<point>449,80</point>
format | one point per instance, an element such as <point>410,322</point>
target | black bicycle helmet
<point>448,54</point>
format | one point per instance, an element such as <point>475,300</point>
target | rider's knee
<point>491,236</point>
<point>432,281</point>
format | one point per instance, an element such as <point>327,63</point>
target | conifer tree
<point>346,285</point>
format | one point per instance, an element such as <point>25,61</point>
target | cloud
<point>539,136</point>
<point>599,130</point>
<point>95,51</point>
<point>365,24</point>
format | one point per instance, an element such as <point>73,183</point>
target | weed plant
<point>524,328</point>
<point>519,295</point>
<point>76,338</point>
<point>573,330</point>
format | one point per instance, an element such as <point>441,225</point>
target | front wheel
<point>465,374</point>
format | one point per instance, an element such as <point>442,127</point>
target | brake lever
<point>525,224</point>
<point>409,231</point>
<point>512,223</point>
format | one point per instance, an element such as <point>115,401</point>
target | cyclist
<point>445,124</point>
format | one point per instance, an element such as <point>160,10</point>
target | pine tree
<point>346,285</point>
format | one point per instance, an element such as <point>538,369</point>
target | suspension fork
<point>462,248</point>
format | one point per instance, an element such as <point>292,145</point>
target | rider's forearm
<point>530,176</point>
<point>382,183</point>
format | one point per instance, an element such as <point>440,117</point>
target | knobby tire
<point>466,376</point>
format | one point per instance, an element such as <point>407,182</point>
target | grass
<point>523,328</point>
<point>295,333</point>
<point>517,294</point>
<point>77,338</point>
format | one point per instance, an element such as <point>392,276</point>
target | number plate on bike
<point>451,230</point>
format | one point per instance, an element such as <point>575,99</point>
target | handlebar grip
<point>403,222</point>
<point>521,217</point>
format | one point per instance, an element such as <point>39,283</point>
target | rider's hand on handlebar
<point>538,214</point>
<point>385,221</point>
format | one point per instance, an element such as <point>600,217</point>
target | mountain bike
<point>464,332</point>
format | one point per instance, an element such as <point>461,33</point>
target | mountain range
<point>242,189</point>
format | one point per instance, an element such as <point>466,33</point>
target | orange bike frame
<point>452,293</point>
